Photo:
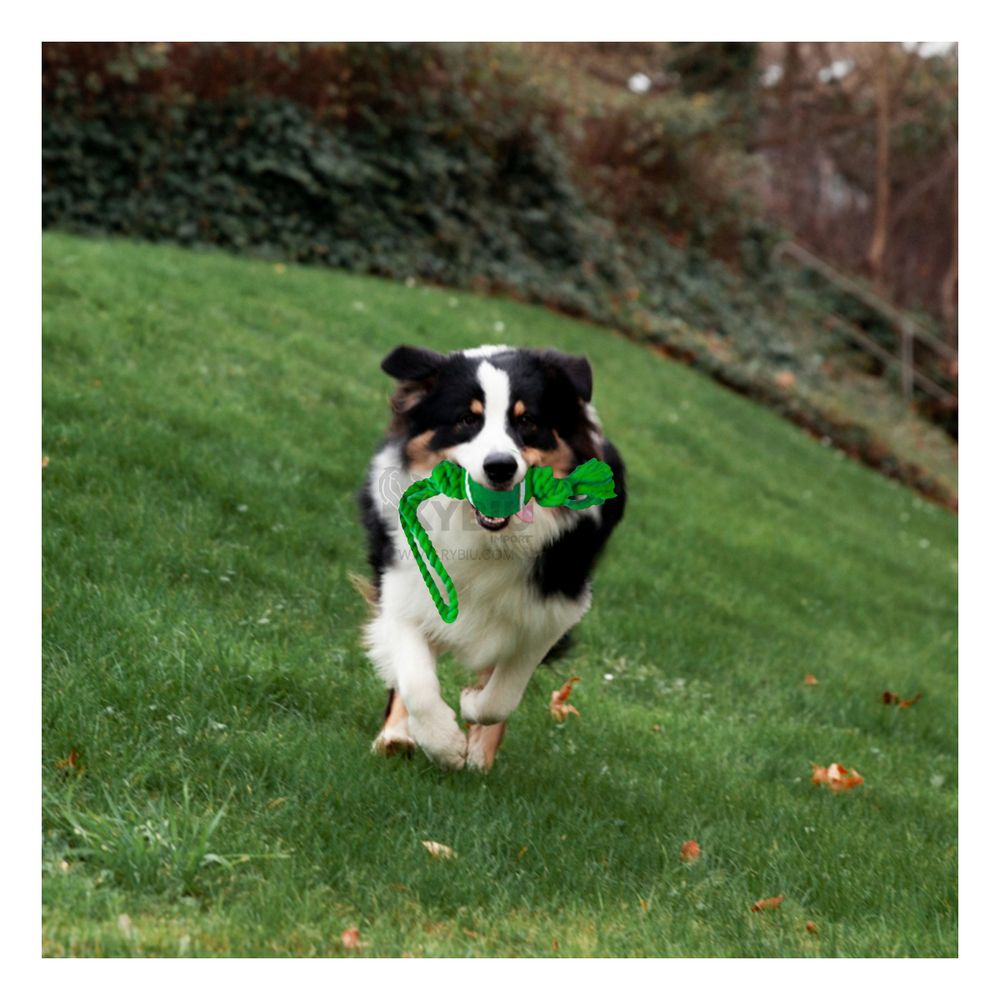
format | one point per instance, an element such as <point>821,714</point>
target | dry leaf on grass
<point>767,904</point>
<point>836,776</point>
<point>810,680</point>
<point>45,461</point>
<point>559,707</point>
<point>71,764</point>
<point>351,938</point>
<point>811,927</point>
<point>436,850</point>
<point>690,851</point>
<point>891,698</point>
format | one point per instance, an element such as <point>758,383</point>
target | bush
<point>401,163</point>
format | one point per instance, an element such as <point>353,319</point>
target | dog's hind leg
<point>394,736</point>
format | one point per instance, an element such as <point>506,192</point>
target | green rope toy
<point>588,484</point>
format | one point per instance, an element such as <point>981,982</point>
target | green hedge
<point>426,180</point>
<point>437,161</point>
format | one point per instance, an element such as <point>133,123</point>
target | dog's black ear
<point>577,369</point>
<point>412,364</point>
<point>414,368</point>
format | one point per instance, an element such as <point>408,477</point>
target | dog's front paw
<point>442,741</point>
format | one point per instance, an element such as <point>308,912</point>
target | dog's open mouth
<point>491,523</point>
<point>525,514</point>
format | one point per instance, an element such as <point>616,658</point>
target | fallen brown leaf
<point>836,776</point>
<point>45,461</point>
<point>891,698</point>
<point>810,680</point>
<point>351,938</point>
<point>811,927</point>
<point>72,764</point>
<point>767,904</point>
<point>559,707</point>
<point>690,851</point>
<point>436,850</point>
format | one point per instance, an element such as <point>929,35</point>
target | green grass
<point>207,422</point>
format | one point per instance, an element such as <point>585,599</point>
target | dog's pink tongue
<point>527,513</point>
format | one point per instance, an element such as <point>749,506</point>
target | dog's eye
<point>469,420</point>
<point>525,424</point>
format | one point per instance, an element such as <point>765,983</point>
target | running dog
<point>523,581</point>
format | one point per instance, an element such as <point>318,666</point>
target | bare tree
<point>883,176</point>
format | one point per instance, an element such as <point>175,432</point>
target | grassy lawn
<point>208,709</point>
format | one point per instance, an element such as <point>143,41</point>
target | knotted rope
<point>588,484</point>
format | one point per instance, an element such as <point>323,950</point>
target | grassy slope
<point>207,421</point>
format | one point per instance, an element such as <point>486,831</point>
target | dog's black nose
<point>499,468</point>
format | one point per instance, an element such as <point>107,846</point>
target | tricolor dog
<point>523,581</point>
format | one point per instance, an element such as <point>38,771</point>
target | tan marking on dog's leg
<point>484,742</point>
<point>394,737</point>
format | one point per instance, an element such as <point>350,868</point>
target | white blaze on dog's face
<point>493,458</point>
<point>494,411</point>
